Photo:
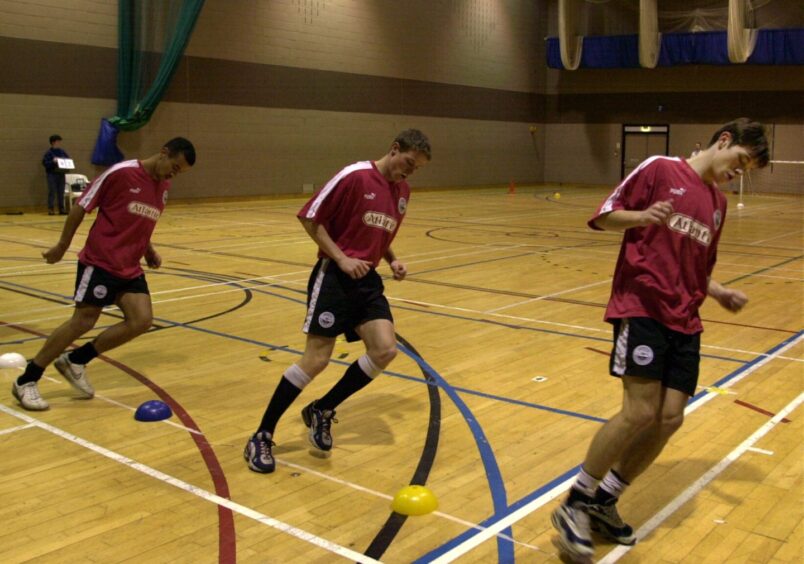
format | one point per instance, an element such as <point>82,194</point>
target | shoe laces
<point>610,511</point>
<point>33,393</point>
<point>265,445</point>
<point>326,418</point>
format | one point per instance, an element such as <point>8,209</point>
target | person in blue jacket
<point>55,176</point>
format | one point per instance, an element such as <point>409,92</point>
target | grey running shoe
<point>574,534</point>
<point>319,422</point>
<point>258,453</point>
<point>28,396</point>
<point>607,521</point>
<point>75,374</point>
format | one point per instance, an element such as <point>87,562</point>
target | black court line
<point>385,536</point>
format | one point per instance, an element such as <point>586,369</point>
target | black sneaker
<point>319,421</point>
<point>258,453</point>
<point>607,521</point>
<point>574,535</point>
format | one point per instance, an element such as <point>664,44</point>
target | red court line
<point>759,410</point>
<point>227,540</point>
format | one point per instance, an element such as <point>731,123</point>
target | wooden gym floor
<point>499,386</point>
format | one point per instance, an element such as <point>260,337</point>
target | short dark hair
<point>749,134</point>
<point>181,145</point>
<point>54,138</point>
<point>414,139</point>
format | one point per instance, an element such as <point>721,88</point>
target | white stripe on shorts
<point>81,291</point>
<point>319,280</point>
<point>621,349</point>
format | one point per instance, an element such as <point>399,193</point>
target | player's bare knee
<point>382,357</point>
<point>672,423</point>
<point>140,325</point>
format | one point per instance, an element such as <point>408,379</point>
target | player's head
<point>737,146</point>
<point>55,140</point>
<point>177,156</point>
<point>409,151</point>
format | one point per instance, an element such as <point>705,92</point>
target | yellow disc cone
<point>414,500</point>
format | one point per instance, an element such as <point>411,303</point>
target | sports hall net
<point>781,177</point>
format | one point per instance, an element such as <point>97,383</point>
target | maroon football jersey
<point>361,211</point>
<point>662,270</point>
<point>129,203</point>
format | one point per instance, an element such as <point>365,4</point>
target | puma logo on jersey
<point>136,190</point>
<point>377,219</point>
<point>695,229</point>
<point>370,196</point>
<point>678,191</point>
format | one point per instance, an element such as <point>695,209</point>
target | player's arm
<point>732,300</point>
<point>397,266</point>
<point>355,268</point>
<point>74,219</point>
<point>620,220</point>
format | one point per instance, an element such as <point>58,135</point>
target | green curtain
<point>153,35</point>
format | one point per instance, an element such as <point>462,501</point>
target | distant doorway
<point>641,142</point>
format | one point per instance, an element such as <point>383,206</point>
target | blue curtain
<point>774,47</point>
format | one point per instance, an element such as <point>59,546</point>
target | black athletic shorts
<point>97,287</point>
<point>337,304</point>
<point>644,347</point>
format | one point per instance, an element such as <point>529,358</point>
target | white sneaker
<point>75,374</point>
<point>28,396</point>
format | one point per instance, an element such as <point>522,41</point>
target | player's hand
<point>657,213</point>
<point>732,300</point>
<point>153,259</point>
<point>399,269</point>
<point>355,268</point>
<point>55,253</point>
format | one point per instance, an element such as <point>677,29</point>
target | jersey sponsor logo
<point>135,190</point>
<point>402,206</point>
<point>377,219</point>
<point>326,319</point>
<point>144,210</point>
<point>642,355</point>
<point>678,191</point>
<point>100,291</point>
<point>370,196</point>
<point>696,230</point>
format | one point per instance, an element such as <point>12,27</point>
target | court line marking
<point>15,429</point>
<point>546,296</point>
<point>761,451</point>
<point>189,488</point>
<point>564,485</point>
<point>703,481</point>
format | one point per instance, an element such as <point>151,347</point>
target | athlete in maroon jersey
<point>353,219</point>
<point>129,198</point>
<point>672,214</point>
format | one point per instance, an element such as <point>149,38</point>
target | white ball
<point>12,360</point>
<point>740,206</point>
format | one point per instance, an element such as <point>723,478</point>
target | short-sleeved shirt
<point>361,211</point>
<point>129,203</point>
<point>662,271</point>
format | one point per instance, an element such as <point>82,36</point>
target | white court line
<point>703,481</point>
<point>388,497</point>
<point>189,488</point>
<point>569,326</point>
<point>796,232</point>
<point>525,510</point>
<point>761,451</point>
<point>15,429</point>
<point>546,296</point>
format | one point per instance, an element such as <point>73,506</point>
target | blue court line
<point>449,545</point>
<point>496,484</point>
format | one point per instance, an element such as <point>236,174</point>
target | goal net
<point>781,177</point>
